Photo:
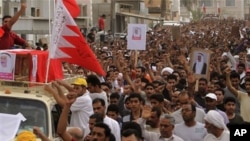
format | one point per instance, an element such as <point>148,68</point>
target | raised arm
<point>168,60</point>
<point>191,79</point>
<point>40,134</point>
<point>184,63</point>
<point>149,70</point>
<point>66,85</point>
<point>59,99</point>
<point>123,67</point>
<point>228,82</point>
<point>232,60</point>
<point>146,113</point>
<point>17,15</point>
<point>63,120</point>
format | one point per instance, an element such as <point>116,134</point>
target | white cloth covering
<point>9,125</point>
<point>168,69</point>
<point>216,119</point>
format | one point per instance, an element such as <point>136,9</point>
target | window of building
<point>246,3</point>
<point>230,2</point>
<point>0,10</point>
<point>38,12</point>
<point>181,3</point>
<point>207,3</point>
<point>12,0</point>
<point>15,10</point>
<point>84,10</point>
<point>33,11</point>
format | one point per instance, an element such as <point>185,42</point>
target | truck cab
<point>34,103</point>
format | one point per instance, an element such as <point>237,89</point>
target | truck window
<point>34,111</point>
<point>55,112</point>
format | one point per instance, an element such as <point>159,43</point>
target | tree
<point>191,6</point>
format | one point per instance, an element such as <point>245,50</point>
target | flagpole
<point>48,60</point>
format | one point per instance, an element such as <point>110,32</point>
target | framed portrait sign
<point>199,62</point>
<point>7,65</point>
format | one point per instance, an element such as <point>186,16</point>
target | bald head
<point>76,132</point>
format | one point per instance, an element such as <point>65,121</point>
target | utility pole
<point>24,1</point>
<point>113,16</point>
<point>248,18</point>
<point>163,11</point>
<point>138,10</point>
<point>163,8</point>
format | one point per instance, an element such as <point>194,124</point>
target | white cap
<point>105,48</point>
<point>224,54</point>
<point>168,69</point>
<point>212,96</point>
<point>236,56</point>
<point>248,51</point>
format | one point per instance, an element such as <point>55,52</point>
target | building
<point>176,11</point>
<point>238,9</point>
<point>34,24</point>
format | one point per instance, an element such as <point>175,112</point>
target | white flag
<point>9,125</point>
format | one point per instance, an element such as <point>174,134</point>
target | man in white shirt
<point>100,108</point>
<point>190,129</point>
<point>82,108</point>
<point>216,128</point>
<point>167,124</point>
<point>95,90</point>
<point>200,66</point>
<point>184,98</point>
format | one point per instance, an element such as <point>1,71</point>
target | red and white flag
<point>72,7</point>
<point>203,8</point>
<point>68,43</point>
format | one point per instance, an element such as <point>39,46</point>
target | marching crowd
<point>155,94</point>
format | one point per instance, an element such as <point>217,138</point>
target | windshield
<point>34,111</point>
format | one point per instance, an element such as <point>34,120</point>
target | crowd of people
<point>156,94</point>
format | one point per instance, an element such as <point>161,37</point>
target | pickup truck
<point>36,105</point>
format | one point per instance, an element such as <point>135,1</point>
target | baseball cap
<point>80,81</point>
<point>211,96</point>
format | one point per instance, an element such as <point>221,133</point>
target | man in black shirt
<point>91,36</point>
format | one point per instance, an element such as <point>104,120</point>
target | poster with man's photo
<point>136,36</point>
<point>7,65</point>
<point>199,62</point>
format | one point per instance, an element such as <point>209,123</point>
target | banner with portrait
<point>136,37</point>
<point>7,65</point>
<point>199,62</point>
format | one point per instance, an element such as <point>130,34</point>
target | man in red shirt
<point>9,38</point>
<point>101,22</point>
